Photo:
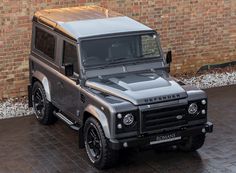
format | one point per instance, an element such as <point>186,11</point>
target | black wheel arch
<point>101,118</point>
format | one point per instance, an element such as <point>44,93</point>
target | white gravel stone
<point>211,80</point>
<point>11,108</point>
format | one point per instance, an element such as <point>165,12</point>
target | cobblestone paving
<point>27,146</point>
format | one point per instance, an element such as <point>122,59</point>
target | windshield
<point>103,52</point>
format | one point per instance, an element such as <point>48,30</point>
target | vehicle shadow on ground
<point>158,160</point>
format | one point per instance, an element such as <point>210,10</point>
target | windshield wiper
<point>116,60</point>
<point>146,54</point>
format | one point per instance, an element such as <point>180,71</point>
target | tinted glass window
<point>119,50</point>
<point>70,55</point>
<point>45,42</point>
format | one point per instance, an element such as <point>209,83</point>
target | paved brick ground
<point>27,146</point>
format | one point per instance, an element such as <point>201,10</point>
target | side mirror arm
<point>80,82</point>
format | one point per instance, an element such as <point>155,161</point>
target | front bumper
<point>146,141</point>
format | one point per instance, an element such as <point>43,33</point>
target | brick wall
<point>198,31</point>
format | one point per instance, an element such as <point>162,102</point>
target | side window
<point>45,43</point>
<point>70,55</point>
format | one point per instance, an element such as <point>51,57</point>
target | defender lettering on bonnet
<point>162,98</point>
<point>109,81</point>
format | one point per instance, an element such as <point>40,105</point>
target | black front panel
<point>199,115</point>
<point>132,127</point>
<point>153,120</point>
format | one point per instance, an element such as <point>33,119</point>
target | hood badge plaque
<point>162,98</point>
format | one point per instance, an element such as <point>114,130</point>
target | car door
<point>67,89</point>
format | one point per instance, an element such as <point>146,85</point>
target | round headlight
<point>192,109</point>
<point>128,119</point>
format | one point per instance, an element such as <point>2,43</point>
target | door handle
<point>60,84</point>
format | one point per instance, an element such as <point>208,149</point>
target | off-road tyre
<point>107,157</point>
<point>193,143</point>
<point>45,114</point>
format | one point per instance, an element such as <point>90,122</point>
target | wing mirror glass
<point>69,69</point>
<point>169,57</point>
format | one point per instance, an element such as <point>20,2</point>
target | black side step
<point>66,120</point>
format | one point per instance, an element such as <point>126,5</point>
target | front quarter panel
<point>194,93</point>
<point>98,108</point>
<point>101,117</point>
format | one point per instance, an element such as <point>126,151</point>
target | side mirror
<point>69,70</point>
<point>169,57</point>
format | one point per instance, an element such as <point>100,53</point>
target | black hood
<point>139,88</point>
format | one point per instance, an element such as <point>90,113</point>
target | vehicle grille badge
<point>179,117</point>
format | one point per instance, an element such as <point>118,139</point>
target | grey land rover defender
<point>105,75</point>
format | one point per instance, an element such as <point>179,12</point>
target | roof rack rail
<point>50,22</point>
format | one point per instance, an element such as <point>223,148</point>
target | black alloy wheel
<point>38,103</point>
<point>97,145</point>
<point>93,143</point>
<point>42,107</point>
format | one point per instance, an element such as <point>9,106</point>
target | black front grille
<point>163,119</point>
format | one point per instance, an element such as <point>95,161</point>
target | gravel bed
<point>16,107</point>
<point>19,107</point>
<point>211,80</point>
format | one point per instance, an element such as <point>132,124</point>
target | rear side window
<point>70,55</point>
<point>45,43</point>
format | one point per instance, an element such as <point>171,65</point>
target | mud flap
<point>30,104</point>
<point>81,138</point>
